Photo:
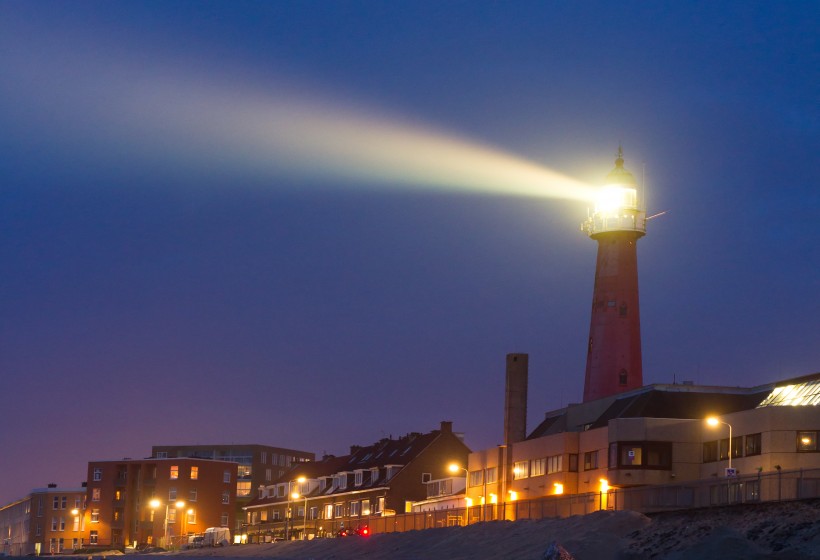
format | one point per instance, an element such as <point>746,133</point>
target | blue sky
<point>290,222</point>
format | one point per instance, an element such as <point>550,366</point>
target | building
<point>319,498</point>
<point>258,464</point>
<point>614,347</point>
<point>157,501</point>
<point>657,435</point>
<point>47,521</point>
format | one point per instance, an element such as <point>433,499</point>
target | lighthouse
<point>614,348</point>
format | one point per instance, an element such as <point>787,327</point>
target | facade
<point>614,347</point>
<point>258,464</point>
<point>656,435</point>
<point>318,498</point>
<point>157,501</point>
<point>47,521</point>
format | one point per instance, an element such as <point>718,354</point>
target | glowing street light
<point>714,421</point>
<point>559,488</point>
<point>155,504</point>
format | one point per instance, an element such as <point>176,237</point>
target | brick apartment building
<point>157,501</point>
<point>47,521</point>
<point>258,465</point>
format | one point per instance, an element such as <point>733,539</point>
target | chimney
<point>515,399</point>
<point>446,427</point>
<point>52,485</point>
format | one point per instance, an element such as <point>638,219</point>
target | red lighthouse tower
<point>614,351</point>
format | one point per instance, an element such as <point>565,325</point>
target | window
<point>268,475</point>
<point>76,523</point>
<point>92,537</point>
<point>62,523</point>
<point>264,457</point>
<point>194,473</point>
<point>77,503</point>
<point>95,516</point>
<point>329,511</point>
<point>538,467</point>
<point>162,454</point>
<point>753,445</point>
<point>807,441</point>
<point>243,489</point>
<point>61,544</point>
<point>53,523</point>
<point>374,474</point>
<point>590,460</point>
<point>39,530</point>
<point>191,516</point>
<point>631,456</point>
<point>354,508</point>
<point>172,515</point>
<point>338,510</point>
<point>226,476</point>
<point>573,462</point>
<point>476,478</point>
<point>56,502</point>
<point>97,476</point>
<point>710,451</point>
<point>275,515</point>
<point>554,464</point>
<point>95,494</point>
<point>223,519</point>
<point>192,495</point>
<point>521,469</point>
<point>380,505</point>
<point>737,447</point>
<point>648,454</point>
<point>174,472</point>
<point>63,500</point>
<point>359,477</point>
<point>314,512</point>
<point>226,497</point>
<point>172,493</point>
<point>243,471</point>
<point>341,480</point>
<point>365,507</point>
<point>492,475</point>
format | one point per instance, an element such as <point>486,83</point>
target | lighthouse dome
<point>619,175</point>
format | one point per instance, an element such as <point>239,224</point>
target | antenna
<point>643,184</point>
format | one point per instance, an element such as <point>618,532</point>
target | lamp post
<point>713,421</point>
<point>454,468</point>
<point>295,496</point>
<point>154,505</point>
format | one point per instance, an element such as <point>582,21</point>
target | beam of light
<point>179,121</point>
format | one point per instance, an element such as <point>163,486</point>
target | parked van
<point>217,536</point>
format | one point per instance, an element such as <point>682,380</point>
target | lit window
<point>243,489</point>
<point>174,472</point>
<point>191,515</point>
<point>226,497</point>
<point>476,478</point>
<point>95,494</point>
<point>194,473</point>
<point>492,475</point>
<point>338,510</point>
<point>365,507</point>
<point>807,441</point>
<point>538,467</point>
<point>521,469</point>
<point>631,455</point>
<point>354,508</point>
<point>172,515</point>
<point>329,511</point>
<point>555,464</point>
<point>95,516</point>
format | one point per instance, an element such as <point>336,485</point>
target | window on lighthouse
<point>622,377</point>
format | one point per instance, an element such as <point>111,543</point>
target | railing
<point>772,486</point>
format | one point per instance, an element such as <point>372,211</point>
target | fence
<point>775,486</point>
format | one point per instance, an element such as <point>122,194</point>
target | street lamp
<point>154,505</point>
<point>713,421</point>
<point>295,496</point>
<point>454,468</point>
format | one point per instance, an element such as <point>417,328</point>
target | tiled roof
<point>386,452</point>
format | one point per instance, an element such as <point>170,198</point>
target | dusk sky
<point>313,224</point>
